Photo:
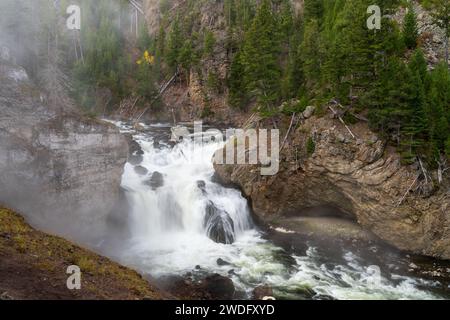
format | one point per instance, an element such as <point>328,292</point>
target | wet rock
<point>135,156</point>
<point>219,225</point>
<point>221,262</point>
<point>202,186</point>
<point>259,293</point>
<point>140,170</point>
<point>156,181</point>
<point>232,272</point>
<point>219,287</point>
<point>135,159</point>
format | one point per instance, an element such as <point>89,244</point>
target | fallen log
<point>342,121</point>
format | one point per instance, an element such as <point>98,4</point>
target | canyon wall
<point>61,170</point>
<point>361,177</point>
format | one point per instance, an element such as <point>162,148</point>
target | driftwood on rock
<point>342,121</point>
<point>408,191</point>
<point>128,107</point>
<point>289,131</point>
<point>161,92</point>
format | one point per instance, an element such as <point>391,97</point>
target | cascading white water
<point>170,224</point>
<point>170,232</point>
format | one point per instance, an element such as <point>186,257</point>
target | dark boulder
<point>219,225</point>
<point>219,287</point>
<point>135,159</point>
<point>156,181</point>
<point>135,156</point>
<point>140,170</point>
<point>202,186</point>
<point>221,262</point>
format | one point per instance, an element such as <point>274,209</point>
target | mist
<point>58,169</point>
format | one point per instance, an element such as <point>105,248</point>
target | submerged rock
<point>140,170</point>
<point>156,181</point>
<point>219,225</point>
<point>202,186</point>
<point>221,262</point>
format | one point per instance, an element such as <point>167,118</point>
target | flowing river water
<point>169,234</point>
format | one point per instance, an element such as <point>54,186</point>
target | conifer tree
<point>237,91</point>
<point>410,29</point>
<point>311,54</point>
<point>259,58</point>
<point>313,9</point>
<point>174,45</point>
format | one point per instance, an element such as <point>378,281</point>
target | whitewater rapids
<point>168,235</point>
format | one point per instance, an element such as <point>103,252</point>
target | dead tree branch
<point>342,121</point>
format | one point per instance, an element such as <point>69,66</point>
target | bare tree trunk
<point>137,22</point>
<point>446,51</point>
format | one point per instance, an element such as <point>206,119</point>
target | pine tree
<point>414,123</point>
<point>419,63</point>
<point>186,58</point>
<point>174,45</point>
<point>410,29</point>
<point>209,43</point>
<point>438,109</point>
<point>313,9</point>
<point>260,53</point>
<point>311,56</point>
<point>237,94</point>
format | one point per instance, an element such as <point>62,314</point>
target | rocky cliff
<point>361,177</point>
<point>197,99</point>
<point>62,170</point>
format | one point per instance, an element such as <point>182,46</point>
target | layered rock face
<point>361,177</point>
<point>61,170</point>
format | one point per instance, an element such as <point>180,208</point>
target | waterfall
<point>172,194</point>
<point>181,219</point>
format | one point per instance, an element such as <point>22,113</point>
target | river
<point>169,235</point>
